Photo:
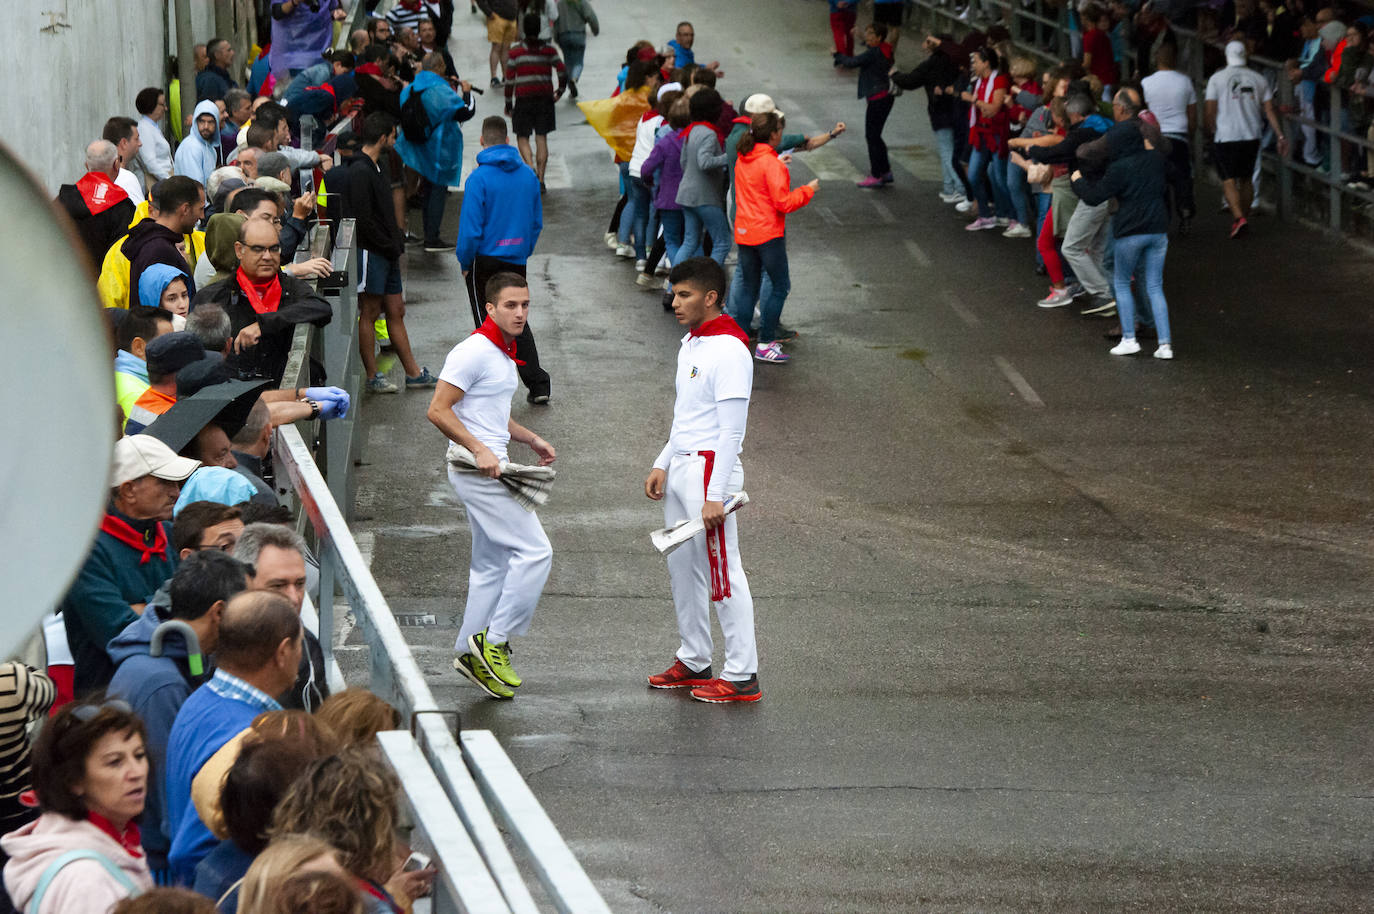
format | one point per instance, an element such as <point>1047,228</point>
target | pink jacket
<point>83,886</point>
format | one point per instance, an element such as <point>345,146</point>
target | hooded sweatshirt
<point>196,156</point>
<point>149,243</point>
<point>100,209</point>
<point>81,887</point>
<point>502,214</point>
<point>154,281</point>
<point>131,379</point>
<point>220,258</point>
<point>156,688</point>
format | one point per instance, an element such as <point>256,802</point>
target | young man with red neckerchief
<point>696,472</point>
<point>511,555</point>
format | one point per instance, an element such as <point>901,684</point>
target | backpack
<point>44,881</point>
<point>415,119</point>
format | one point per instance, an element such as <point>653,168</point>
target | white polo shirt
<point>709,369</point>
<point>488,379</point>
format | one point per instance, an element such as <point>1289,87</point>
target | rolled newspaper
<point>669,538</point>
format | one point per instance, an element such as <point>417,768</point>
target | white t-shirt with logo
<point>488,379</point>
<point>709,369</point>
<point>1240,94</point>
<point>1168,93</point>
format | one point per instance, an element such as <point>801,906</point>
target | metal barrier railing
<point>393,672</point>
<point>1042,31</point>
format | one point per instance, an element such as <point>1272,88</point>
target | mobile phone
<point>416,861</point>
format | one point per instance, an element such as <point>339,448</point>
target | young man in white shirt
<point>697,471</point>
<point>123,132</point>
<point>511,555</point>
<point>1172,98</point>
<point>1238,101</point>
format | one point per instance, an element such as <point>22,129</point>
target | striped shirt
<point>402,18</point>
<point>25,696</point>
<point>529,73</point>
<point>227,685</point>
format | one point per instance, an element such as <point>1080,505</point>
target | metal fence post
<point>1286,160</point>
<point>1333,175</point>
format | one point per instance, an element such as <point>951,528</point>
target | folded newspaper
<point>527,485</point>
<point>669,538</point>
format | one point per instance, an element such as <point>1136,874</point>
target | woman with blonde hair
<point>356,715</point>
<point>288,855</point>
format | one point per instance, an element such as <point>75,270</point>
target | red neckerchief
<point>129,839</point>
<point>745,120</point>
<point>380,894</point>
<point>264,297</point>
<point>498,339</point>
<point>722,325</point>
<point>99,192</point>
<point>371,69</point>
<point>688,129</point>
<point>130,537</point>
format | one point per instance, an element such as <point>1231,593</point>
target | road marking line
<point>828,215</point>
<point>958,308</point>
<point>916,253</point>
<point>1022,386</point>
<point>884,213</point>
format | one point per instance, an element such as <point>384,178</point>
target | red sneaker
<point>1238,227</point>
<point>719,691</point>
<point>680,676</point>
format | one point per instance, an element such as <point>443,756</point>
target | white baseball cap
<point>1235,53</point>
<point>761,104</point>
<point>136,456</point>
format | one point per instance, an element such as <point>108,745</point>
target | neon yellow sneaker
<point>495,657</point>
<point>473,669</point>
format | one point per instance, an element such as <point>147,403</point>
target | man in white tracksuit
<point>697,471</point>
<point>511,556</point>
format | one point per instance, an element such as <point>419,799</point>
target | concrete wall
<point>78,75</point>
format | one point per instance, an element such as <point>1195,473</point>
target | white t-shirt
<point>487,378</point>
<point>129,182</point>
<point>1240,94</point>
<point>646,134</point>
<point>1168,93</point>
<point>709,369</point>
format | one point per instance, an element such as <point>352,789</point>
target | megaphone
<point>57,391</point>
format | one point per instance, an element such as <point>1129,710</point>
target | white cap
<point>761,104</point>
<point>1235,54</point>
<point>136,456</point>
<point>669,87</point>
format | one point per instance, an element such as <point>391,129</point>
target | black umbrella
<point>226,404</point>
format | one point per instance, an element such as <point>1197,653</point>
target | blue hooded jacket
<point>502,212</point>
<point>156,688</point>
<point>440,157</point>
<point>196,156</point>
<point>154,282</point>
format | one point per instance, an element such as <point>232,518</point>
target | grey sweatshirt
<point>703,170</point>
<point>576,16</point>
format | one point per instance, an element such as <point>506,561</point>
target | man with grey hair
<point>276,556</point>
<point>238,110</point>
<point>212,327</point>
<point>275,165</point>
<point>1085,240</point>
<point>100,209</point>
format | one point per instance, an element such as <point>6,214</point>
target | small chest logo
<point>694,372</point>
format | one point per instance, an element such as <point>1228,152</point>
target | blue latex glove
<point>333,401</point>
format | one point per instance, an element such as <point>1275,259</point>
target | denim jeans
<point>1141,256</point>
<point>1017,189</point>
<point>944,143</point>
<point>1042,207</point>
<point>985,168</point>
<point>671,220</point>
<point>574,46</point>
<point>634,222</point>
<point>700,221</point>
<point>754,261</point>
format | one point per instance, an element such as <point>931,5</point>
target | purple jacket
<point>666,154</point>
<point>301,36</point>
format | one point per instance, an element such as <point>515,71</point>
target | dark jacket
<point>300,304</point>
<point>312,684</point>
<point>212,83</point>
<point>99,222</point>
<point>366,198</point>
<point>149,243</point>
<point>1135,177</point>
<point>873,66</point>
<point>156,688</point>
<point>938,71</point>
<point>1065,151</point>
<point>220,870</point>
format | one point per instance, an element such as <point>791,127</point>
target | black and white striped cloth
<point>25,696</point>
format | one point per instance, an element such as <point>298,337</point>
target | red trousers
<point>842,27</point>
<point>1048,246</point>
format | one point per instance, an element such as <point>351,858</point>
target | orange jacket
<point>763,197</point>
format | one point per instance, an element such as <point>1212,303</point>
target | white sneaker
<point>1165,351</point>
<point>645,280</point>
<point>1127,346</point>
<point>641,266</point>
<point>965,206</point>
<point>1016,230</point>
<point>1057,298</point>
<point>952,198</point>
<point>611,241</point>
<point>1003,221</point>
<point>663,267</point>
<point>624,250</point>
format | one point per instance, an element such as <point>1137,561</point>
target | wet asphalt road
<point>1040,628</point>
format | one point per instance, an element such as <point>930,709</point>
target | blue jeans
<point>983,164</point>
<point>1017,189</point>
<point>944,143</point>
<point>1042,208</point>
<point>635,220</point>
<point>754,261</point>
<point>671,220</point>
<point>1141,256</point>
<point>700,221</point>
<point>574,46</point>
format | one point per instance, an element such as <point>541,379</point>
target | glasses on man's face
<point>222,547</point>
<point>261,249</point>
<point>88,712</point>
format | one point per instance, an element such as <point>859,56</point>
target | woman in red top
<point>762,198</point>
<point>988,128</point>
<point>1098,57</point>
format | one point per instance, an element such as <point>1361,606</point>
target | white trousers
<point>511,557</point>
<point>689,568</point>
